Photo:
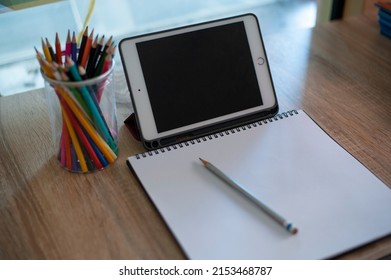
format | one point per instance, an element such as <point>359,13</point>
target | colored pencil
<point>82,45</point>
<point>67,146</point>
<point>68,45</point>
<point>99,64</point>
<point>76,96</point>
<point>93,60</point>
<point>46,52</point>
<point>93,50</point>
<point>73,47</point>
<point>97,151</point>
<point>105,68</point>
<point>87,49</point>
<point>58,50</point>
<point>50,48</point>
<point>75,142</point>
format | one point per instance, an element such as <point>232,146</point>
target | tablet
<point>195,80</point>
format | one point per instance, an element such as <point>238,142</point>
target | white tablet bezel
<point>137,86</point>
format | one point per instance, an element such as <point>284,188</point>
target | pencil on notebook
<point>275,216</point>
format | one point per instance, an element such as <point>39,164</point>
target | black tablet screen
<point>199,75</point>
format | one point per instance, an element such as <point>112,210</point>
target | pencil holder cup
<point>83,119</point>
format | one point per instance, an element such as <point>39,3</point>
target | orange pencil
<point>87,49</point>
<point>82,45</point>
<point>58,50</point>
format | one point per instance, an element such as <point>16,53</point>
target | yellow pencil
<point>75,142</point>
<point>45,50</point>
<point>45,66</point>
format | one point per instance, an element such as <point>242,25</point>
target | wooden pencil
<point>82,45</point>
<point>58,50</point>
<point>68,44</point>
<point>275,216</point>
<point>87,49</point>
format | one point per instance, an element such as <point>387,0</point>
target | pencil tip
<point>203,161</point>
<point>292,229</point>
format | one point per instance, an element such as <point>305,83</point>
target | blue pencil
<point>74,47</point>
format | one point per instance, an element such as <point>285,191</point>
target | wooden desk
<point>339,73</point>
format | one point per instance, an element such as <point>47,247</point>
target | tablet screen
<point>199,75</point>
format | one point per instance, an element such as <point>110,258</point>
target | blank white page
<point>291,165</point>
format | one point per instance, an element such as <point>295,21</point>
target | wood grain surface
<point>339,73</point>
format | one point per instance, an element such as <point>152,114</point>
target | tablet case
<point>134,126</point>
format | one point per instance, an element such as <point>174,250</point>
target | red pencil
<point>58,50</point>
<point>68,45</point>
<point>106,66</point>
<point>108,59</point>
<point>67,146</point>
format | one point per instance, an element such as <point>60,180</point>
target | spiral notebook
<point>287,162</point>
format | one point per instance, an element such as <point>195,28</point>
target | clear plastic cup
<point>83,119</point>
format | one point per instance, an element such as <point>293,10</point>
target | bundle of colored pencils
<point>87,142</point>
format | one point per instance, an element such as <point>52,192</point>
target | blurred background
<point>24,22</point>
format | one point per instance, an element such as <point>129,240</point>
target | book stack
<point>384,17</point>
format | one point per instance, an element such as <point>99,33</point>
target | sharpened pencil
<point>45,50</point>
<point>74,47</point>
<point>50,48</point>
<point>276,217</point>
<point>68,45</point>
<point>82,46</point>
<point>87,49</point>
<point>58,50</point>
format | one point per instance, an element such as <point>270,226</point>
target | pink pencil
<point>68,45</point>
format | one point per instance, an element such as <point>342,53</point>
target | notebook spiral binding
<point>277,117</point>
